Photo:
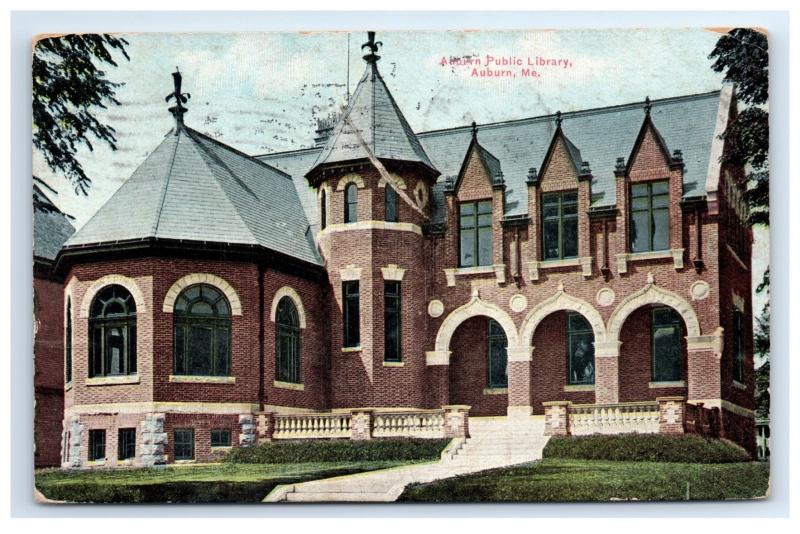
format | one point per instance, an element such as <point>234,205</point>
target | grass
<point>239,483</point>
<point>561,480</point>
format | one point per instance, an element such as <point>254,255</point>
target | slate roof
<point>51,226</point>
<point>598,136</point>
<point>490,163</point>
<point>194,188</point>
<point>374,115</point>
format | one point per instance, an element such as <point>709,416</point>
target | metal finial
<point>474,130</point>
<point>559,120</point>
<point>372,45</point>
<point>647,106</point>
<point>180,98</point>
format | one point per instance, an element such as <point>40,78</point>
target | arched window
<point>202,328</point>
<point>68,344</point>
<point>287,342</point>
<point>391,204</point>
<point>497,375</point>
<point>112,333</point>
<point>666,333</point>
<point>580,350</point>
<point>323,210</point>
<point>350,203</point>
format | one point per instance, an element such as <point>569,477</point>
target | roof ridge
<point>237,151</point>
<point>166,183</point>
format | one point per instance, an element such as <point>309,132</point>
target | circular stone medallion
<point>435,308</point>
<point>518,303</point>
<point>699,290</point>
<point>605,297</point>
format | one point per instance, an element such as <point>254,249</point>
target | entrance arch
<point>562,301</point>
<point>475,307</point>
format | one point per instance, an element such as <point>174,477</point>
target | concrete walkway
<point>494,442</point>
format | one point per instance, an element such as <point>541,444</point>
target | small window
<point>391,204</point>
<point>666,345</point>
<point>497,356</point>
<point>112,333</point>
<point>220,437</point>
<point>68,345</point>
<point>202,332</point>
<point>126,443</point>
<point>580,350</point>
<point>323,210</point>
<point>391,323</point>
<point>97,445</point>
<point>351,312</point>
<point>560,225</point>
<point>649,217</point>
<point>475,230</point>
<point>351,203</point>
<point>738,346</point>
<point>184,444</point>
<point>287,342</point>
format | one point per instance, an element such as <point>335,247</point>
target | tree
<point>68,87</point>
<point>761,347</point>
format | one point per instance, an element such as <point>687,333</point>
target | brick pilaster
<point>456,421</point>
<point>361,424</point>
<point>671,414</point>
<point>556,418</point>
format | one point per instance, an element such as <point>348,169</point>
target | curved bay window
<point>498,356</point>
<point>350,203</point>
<point>580,350</point>
<point>287,342</point>
<point>112,333</point>
<point>202,328</point>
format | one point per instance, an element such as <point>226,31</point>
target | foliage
<point>584,480</point>
<point>69,84</point>
<point>339,451</point>
<point>645,448</point>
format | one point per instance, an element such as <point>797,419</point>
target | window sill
<point>351,349</point>
<point>579,387</point>
<point>289,385</point>
<point>185,462</point>
<point>499,271</point>
<point>739,385</point>
<point>189,379</point>
<point>221,448</point>
<point>113,380</point>
<point>676,254</point>
<point>584,263</point>
<point>668,384</point>
<point>127,462</point>
<point>393,364</point>
<point>96,463</point>
<point>495,391</point>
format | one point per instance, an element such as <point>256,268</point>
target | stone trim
<point>606,349</point>
<point>421,194</point>
<point>435,308</point>
<point>351,349</point>
<point>518,302</point>
<point>348,179</point>
<point>394,364</point>
<point>437,357</point>
<point>399,182</point>
<point>495,391</point>
<point>128,283</point>
<point>112,380</point>
<point>476,306</point>
<point>738,302</point>
<point>584,262</point>
<point>288,385</point>
<point>217,408</point>
<point>724,405</point>
<point>451,274</point>
<point>623,258</point>
<point>287,291</point>
<point>739,385</point>
<point>670,384</point>
<point>190,379</point>
<point>520,354</point>
<point>370,225</point>
<point>350,273</point>
<point>578,387</point>
<point>393,272</point>
<point>202,278</point>
<point>558,302</point>
<point>699,290</point>
<point>714,342</point>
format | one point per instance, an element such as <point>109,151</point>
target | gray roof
<point>598,136</point>
<point>194,188</point>
<point>372,118</point>
<point>51,227</point>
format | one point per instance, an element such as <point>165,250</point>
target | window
<point>498,358</point>
<point>68,345</point>
<point>184,443</point>
<point>738,346</point>
<point>475,225</point>
<point>202,330</point>
<point>580,350</point>
<point>97,445</point>
<point>352,325</point>
<point>112,330</point>
<point>287,342</point>
<point>560,225</point>
<point>391,321</point>
<point>220,437</point>
<point>126,443</point>
<point>323,210</point>
<point>350,203</point>
<point>391,204</point>
<point>666,345</point>
<point>650,216</point>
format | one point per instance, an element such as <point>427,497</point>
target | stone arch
<point>562,301</point>
<point>287,291</point>
<point>399,182</point>
<point>111,279</point>
<point>348,179</point>
<point>202,278</point>
<point>652,294</point>
<point>475,307</point>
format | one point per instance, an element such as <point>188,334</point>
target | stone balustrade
<point>409,424</point>
<point>311,425</point>
<point>665,415</point>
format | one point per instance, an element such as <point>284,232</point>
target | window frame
<point>392,306</point>
<point>676,322</point>
<point>191,443</point>
<point>101,326</point>
<point>215,436</point>
<point>475,229</point>
<point>495,334</point>
<point>287,336</point>
<point>574,333</point>
<point>221,326</point>
<point>68,344</point>
<point>323,209</point>
<point>95,446</point>
<point>650,210</point>
<point>390,201</point>
<point>738,346</point>
<point>124,442</point>
<point>561,220</point>
<point>350,205</point>
<point>351,312</point>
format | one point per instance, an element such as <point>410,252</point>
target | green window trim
<point>649,216</point>
<point>475,233</point>
<point>126,443</point>
<point>665,345</point>
<point>351,311</point>
<point>392,301</point>
<point>287,342</point>
<point>496,356</point>
<point>560,225</point>
<point>580,350</point>
<point>97,445</point>
<point>183,443</point>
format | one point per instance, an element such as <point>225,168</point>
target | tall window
<point>287,343</point>
<point>126,443</point>
<point>498,358</point>
<point>97,445</point>
<point>184,443</point>
<point>351,311</point>
<point>391,321</point>
<point>738,346</point>
<point>202,332</point>
<point>68,345</point>
<point>112,330</point>
<point>391,204</point>
<point>475,225</point>
<point>560,225</point>
<point>666,345</point>
<point>351,203</point>
<point>580,350</point>
<point>323,210</point>
<point>650,216</point>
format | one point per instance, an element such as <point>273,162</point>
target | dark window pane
<point>497,356</point>
<point>660,201</point>
<point>323,210</point>
<point>200,350</point>
<point>202,308</point>
<point>550,240</point>
<point>131,363</point>
<point>639,190</point>
<point>551,212</point>
<point>485,207</point>
<point>96,367</point>
<point>570,198</point>
<point>485,220</point>
<point>223,349</point>
<point>97,445</point>
<point>220,437</point>
<point>68,345</point>
<point>351,204</point>
<point>467,248</point>
<point>666,332</point>
<point>180,347</point>
<point>570,238</point>
<point>640,228</point>
<point>126,443</point>
<point>352,328</point>
<point>738,346</point>
<point>392,310</point>
<point>660,188</point>
<point>391,204</point>
<point>640,203</point>
<point>184,444</point>
<point>485,246</point>
<point>660,229</point>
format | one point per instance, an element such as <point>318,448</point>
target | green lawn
<point>594,480</point>
<point>190,484</point>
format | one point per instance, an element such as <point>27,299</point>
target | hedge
<point>646,448</point>
<point>339,451</point>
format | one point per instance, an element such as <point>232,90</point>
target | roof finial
<point>474,130</point>
<point>180,99</point>
<point>647,106</point>
<point>558,119</point>
<point>371,57</point>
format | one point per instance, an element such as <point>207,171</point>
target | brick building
<point>591,268</point>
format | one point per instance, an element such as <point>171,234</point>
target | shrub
<point>338,451</point>
<point>646,448</point>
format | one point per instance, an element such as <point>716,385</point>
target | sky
<point>262,92</point>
